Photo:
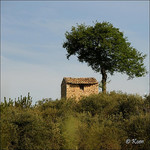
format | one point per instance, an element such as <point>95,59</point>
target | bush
<point>103,121</point>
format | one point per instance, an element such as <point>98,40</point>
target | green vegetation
<point>97,122</point>
<point>105,49</point>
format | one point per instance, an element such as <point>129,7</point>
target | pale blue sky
<point>32,34</point>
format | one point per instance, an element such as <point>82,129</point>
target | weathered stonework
<point>78,87</point>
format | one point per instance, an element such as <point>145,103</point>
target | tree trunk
<point>104,78</point>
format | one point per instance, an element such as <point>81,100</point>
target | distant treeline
<point>112,121</point>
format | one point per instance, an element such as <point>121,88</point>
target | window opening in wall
<point>82,87</point>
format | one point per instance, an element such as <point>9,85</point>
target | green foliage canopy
<point>105,49</point>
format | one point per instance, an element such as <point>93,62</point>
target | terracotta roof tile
<point>80,80</point>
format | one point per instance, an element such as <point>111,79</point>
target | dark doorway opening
<point>82,87</point>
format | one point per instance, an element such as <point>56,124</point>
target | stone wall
<point>63,89</point>
<point>75,90</point>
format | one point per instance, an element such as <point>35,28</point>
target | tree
<point>105,49</point>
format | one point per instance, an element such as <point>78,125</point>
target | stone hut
<point>78,87</point>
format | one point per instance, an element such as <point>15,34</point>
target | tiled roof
<point>80,80</point>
